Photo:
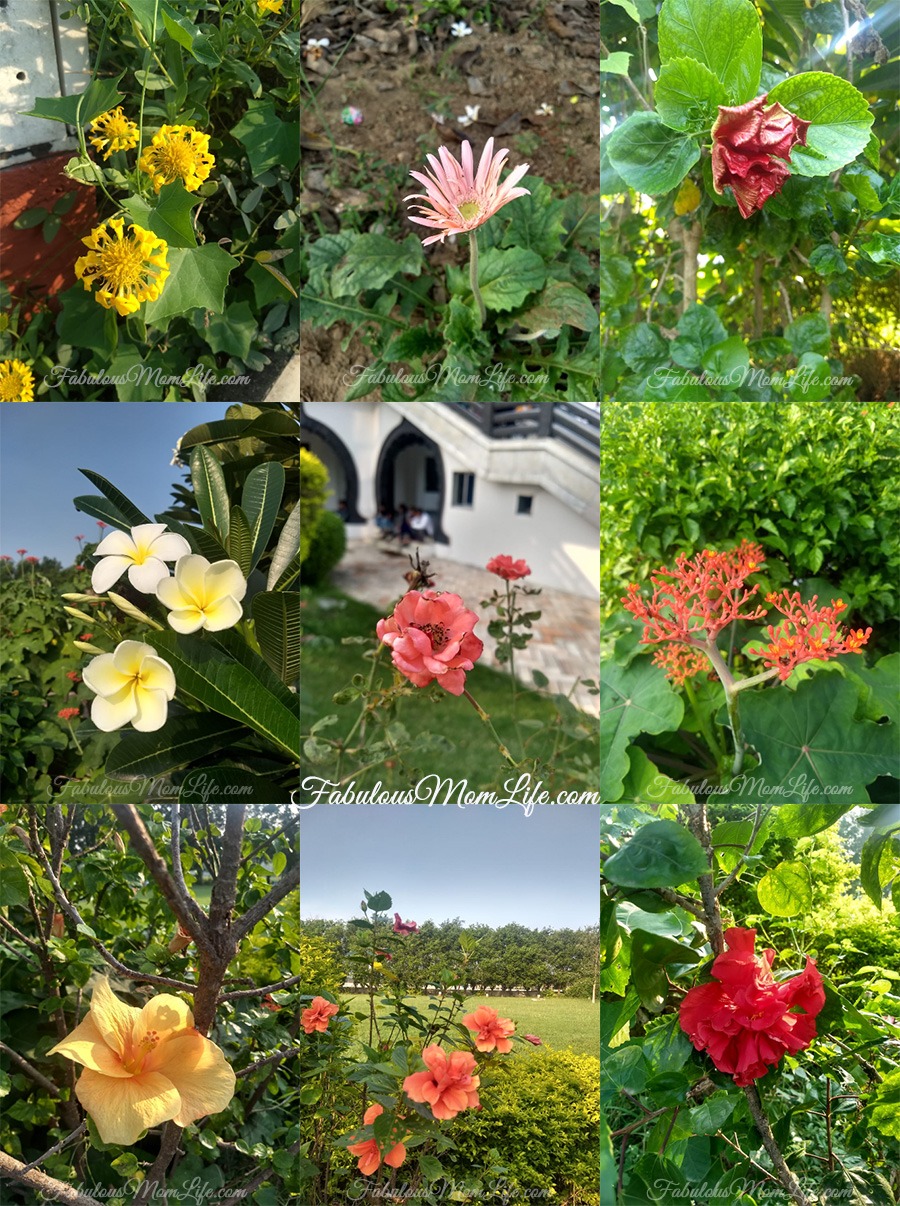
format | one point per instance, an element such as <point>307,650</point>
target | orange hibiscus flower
<point>448,1086</point>
<point>492,1031</point>
<point>368,1152</point>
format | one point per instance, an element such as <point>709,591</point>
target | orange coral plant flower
<point>492,1031</point>
<point>144,1066</point>
<point>369,1155</point>
<point>318,1014</point>
<point>448,1086</point>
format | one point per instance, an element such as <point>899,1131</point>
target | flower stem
<point>705,728</point>
<point>473,273</point>
<point>483,716</point>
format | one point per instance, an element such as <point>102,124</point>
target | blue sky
<point>482,864</point>
<point>43,445</point>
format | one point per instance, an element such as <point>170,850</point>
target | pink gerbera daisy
<point>459,199</point>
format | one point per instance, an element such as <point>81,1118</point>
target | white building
<point>495,478</point>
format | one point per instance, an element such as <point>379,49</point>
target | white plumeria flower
<point>313,42</point>
<point>470,115</point>
<point>203,595</point>
<point>144,554</point>
<point>131,684</point>
<point>545,110</point>
<point>460,30</point>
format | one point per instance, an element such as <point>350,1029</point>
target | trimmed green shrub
<point>326,548</point>
<point>319,966</point>
<point>540,1116</point>
<point>313,479</point>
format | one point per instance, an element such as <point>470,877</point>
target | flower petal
<point>224,613</point>
<point>201,1074</point>
<point>109,570</point>
<point>123,1108</point>
<point>86,1045</point>
<point>145,577</point>
<point>114,1019</point>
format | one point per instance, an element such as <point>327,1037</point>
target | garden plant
<point>187,133</point>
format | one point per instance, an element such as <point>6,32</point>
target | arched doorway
<point>334,454</point>
<point>411,470</point>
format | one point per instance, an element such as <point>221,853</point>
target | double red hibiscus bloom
<point>751,148</point>
<point>746,1022</point>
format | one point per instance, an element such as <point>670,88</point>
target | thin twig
<point>273,1058</point>
<point>629,83</point>
<point>57,1148</point>
<point>261,992</point>
<point>177,870</point>
<point>757,825</point>
<point>289,880</point>
<point>38,1077</point>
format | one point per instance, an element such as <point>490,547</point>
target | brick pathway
<point>566,645</point>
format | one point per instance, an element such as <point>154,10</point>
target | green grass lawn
<point>459,745</point>
<point>559,1022</point>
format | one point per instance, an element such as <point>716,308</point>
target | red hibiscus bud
<point>58,928</point>
<point>749,142</point>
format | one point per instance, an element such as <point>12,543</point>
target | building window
<point>463,489</point>
<point>432,484</point>
<point>524,505</point>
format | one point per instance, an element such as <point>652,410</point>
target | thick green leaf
<point>260,501</point>
<point>237,648</point>
<point>662,854</point>
<point>215,679</point>
<point>645,784</point>
<point>785,890</point>
<point>170,218</point>
<point>269,141</point>
<point>615,277</point>
<point>286,551</point>
<point>178,742</point>
<point>198,276</point>
<point>225,784</point>
<point>632,701</point>
<point>13,881</point>
<point>707,1118</point>
<point>209,490</point>
<point>100,508</point>
<point>240,539</point>
<point>839,116</point>
<point>688,95</point>
<point>84,323</point>
<point>199,539</point>
<point>373,260</point>
<point>651,954</point>
<point>505,278</point>
<point>650,157</point>
<point>726,37</point>
<point>98,97</point>
<point>876,866</point>
<point>277,617</point>
<point>121,502</point>
<point>699,329</point>
<point>727,363</point>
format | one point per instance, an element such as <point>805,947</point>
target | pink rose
<point>749,142</point>
<point>505,567</point>
<point>431,637</point>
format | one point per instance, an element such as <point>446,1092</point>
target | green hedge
<point>326,549</point>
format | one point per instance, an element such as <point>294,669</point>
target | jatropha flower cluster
<point>693,603</point>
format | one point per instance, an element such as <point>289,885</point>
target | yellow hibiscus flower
<point>144,1066</point>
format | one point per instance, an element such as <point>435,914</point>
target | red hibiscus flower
<point>491,1031</point>
<point>749,143</point>
<point>317,1016</point>
<point>369,1155</point>
<point>746,1022</point>
<point>532,1038</point>
<point>505,567</point>
<point>431,637</point>
<point>404,927</point>
<point>448,1086</point>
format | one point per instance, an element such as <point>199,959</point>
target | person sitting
<point>343,510</point>
<point>402,529</point>
<point>384,521</point>
<point>421,525</point>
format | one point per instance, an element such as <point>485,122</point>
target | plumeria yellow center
<point>178,153</point>
<point>16,382</point>
<point>135,1064</point>
<point>128,270</point>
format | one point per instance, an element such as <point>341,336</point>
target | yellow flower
<point>144,1066</point>
<point>178,153</point>
<point>131,684</point>
<point>202,595</point>
<point>129,270</point>
<point>117,132</point>
<point>270,6</point>
<point>16,382</point>
<point>688,197</point>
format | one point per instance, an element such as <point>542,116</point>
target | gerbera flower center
<point>469,210</point>
<point>436,633</point>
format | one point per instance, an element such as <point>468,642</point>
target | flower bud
<point>180,941</point>
<point>118,843</point>
<point>58,929</point>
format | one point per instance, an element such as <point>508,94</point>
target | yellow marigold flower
<point>144,1066</point>
<point>178,153</point>
<point>270,6</point>
<point>128,270</point>
<point>117,132</point>
<point>16,382</point>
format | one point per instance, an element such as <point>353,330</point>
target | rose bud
<point>749,143</point>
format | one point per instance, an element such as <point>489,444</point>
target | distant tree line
<point>505,958</point>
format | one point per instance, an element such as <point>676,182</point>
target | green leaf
<point>268,140</point>
<point>240,540</point>
<point>210,491</point>
<point>860,185</point>
<point>13,882</point>
<point>31,218</point>
<point>98,97</point>
<point>616,277</point>
<point>809,333</point>
<point>505,278</point>
<point>198,276</point>
<point>286,551</point>
<point>373,260</point>
<point>882,247</point>
<point>661,854</point>
<point>876,866</point>
<point>260,502</point>
<point>234,645</point>
<point>560,302</point>
<point>177,743</point>
<point>699,329</point>
<point>634,700</point>
<point>727,363</point>
<point>811,382</point>
<point>649,156</point>
<point>688,95</point>
<point>231,332</point>
<point>121,502</point>
<point>785,890</point>
<point>725,37</point>
<point>616,63</point>
<point>652,953</point>
<point>225,784</point>
<point>99,508</point>
<point>707,1118</point>
<point>84,323</point>
<point>826,259</point>
<point>170,218</point>
<point>643,348</point>
<point>217,680</point>
<point>277,617</point>
<point>645,784</point>
<point>279,862</point>
<point>839,117</point>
